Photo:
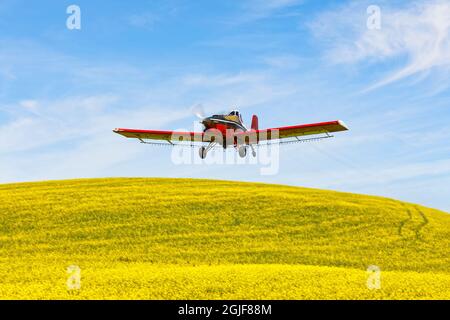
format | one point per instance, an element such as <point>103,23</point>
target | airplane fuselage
<point>226,124</point>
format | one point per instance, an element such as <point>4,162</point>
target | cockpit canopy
<point>236,113</point>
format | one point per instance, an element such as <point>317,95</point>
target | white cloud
<point>419,33</point>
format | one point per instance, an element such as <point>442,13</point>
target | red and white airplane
<point>228,130</point>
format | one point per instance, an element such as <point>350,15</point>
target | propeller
<point>198,111</point>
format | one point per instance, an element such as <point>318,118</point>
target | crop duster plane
<point>228,130</point>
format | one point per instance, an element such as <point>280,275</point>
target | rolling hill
<point>200,239</point>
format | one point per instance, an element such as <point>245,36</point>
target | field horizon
<point>162,238</point>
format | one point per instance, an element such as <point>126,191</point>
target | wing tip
<point>343,125</point>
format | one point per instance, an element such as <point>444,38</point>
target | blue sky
<point>144,64</point>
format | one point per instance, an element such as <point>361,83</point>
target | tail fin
<point>254,122</point>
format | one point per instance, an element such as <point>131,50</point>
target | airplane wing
<point>297,130</point>
<point>159,135</point>
<point>261,135</point>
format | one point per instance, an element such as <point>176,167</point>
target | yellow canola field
<point>146,281</point>
<point>200,239</point>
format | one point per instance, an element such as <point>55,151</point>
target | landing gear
<point>253,151</point>
<point>203,151</point>
<point>242,151</point>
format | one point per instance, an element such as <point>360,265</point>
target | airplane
<point>228,130</point>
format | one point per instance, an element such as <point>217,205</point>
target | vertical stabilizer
<point>254,122</point>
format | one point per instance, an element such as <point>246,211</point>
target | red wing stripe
<point>158,134</point>
<point>337,123</point>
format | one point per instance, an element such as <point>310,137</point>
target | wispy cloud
<point>283,61</point>
<point>68,132</point>
<point>419,33</point>
<point>73,137</point>
<point>252,10</point>
<point>270,5</point>
<point>143,20</point>
<point>238,90</point>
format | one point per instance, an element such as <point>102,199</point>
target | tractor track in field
<point>422,224</point>
<point>406,222</point>
<point>403,222</point>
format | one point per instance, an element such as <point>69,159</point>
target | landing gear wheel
<point>202,152</point>
<point>242,151</point>
<point>254,153</point>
